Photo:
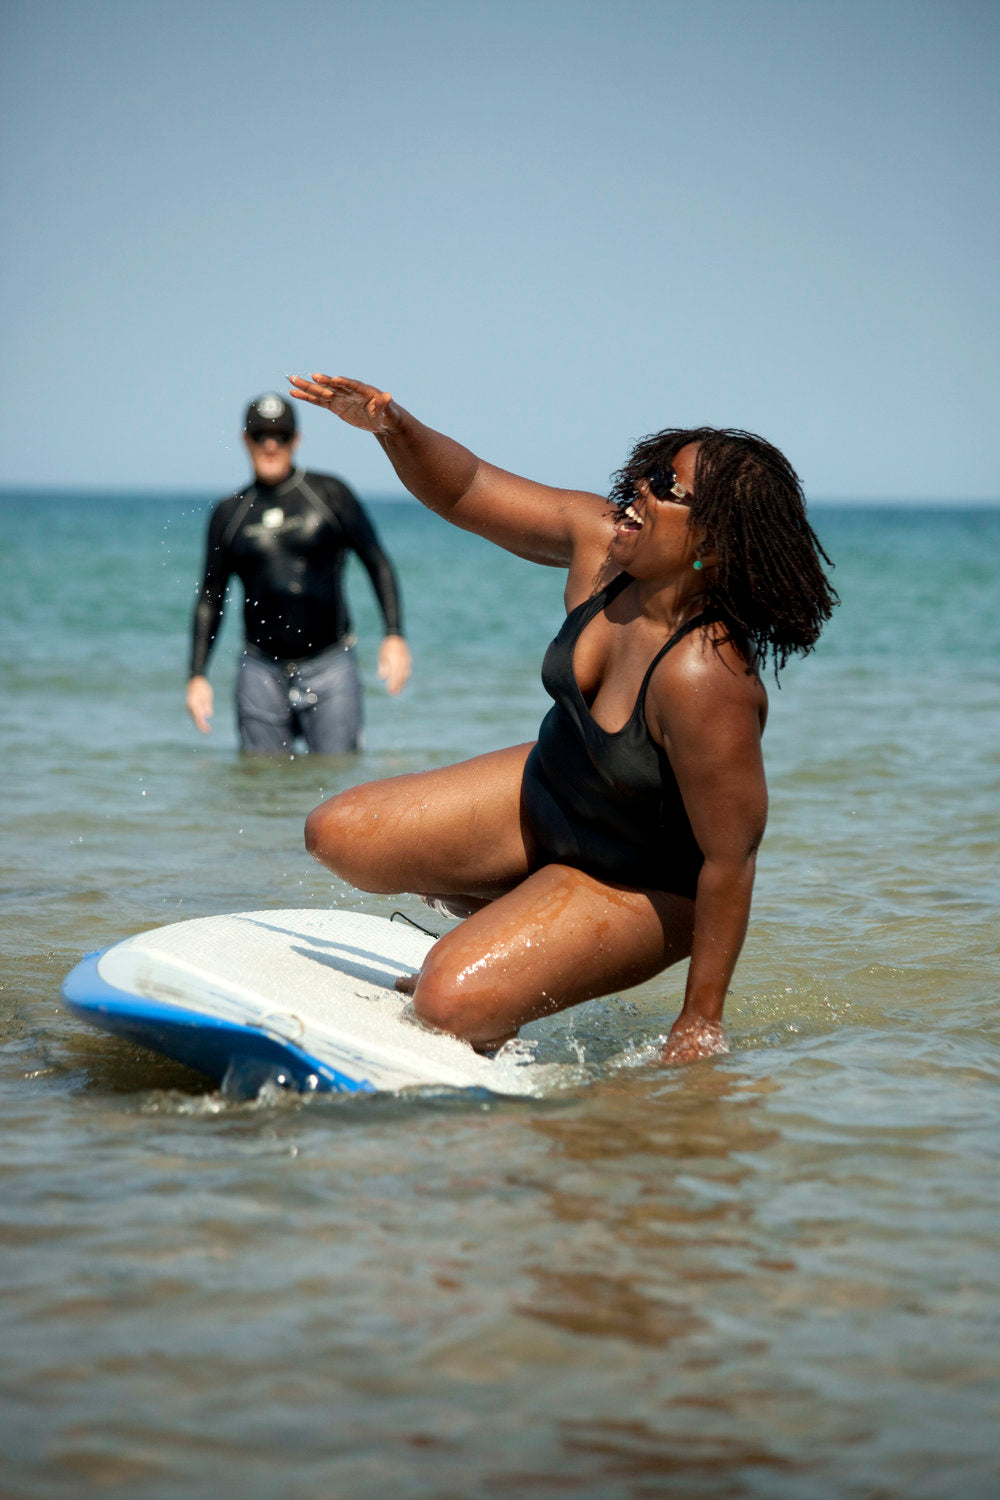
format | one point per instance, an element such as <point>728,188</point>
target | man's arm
<point>208,618</point>
<point>394,659</point>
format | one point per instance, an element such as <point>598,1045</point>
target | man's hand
<point>394,663</point>
<point>199,702</point>
<point>359,405</point>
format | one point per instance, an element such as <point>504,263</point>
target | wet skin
<point>546,937</point>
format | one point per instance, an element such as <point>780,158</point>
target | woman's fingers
<point>324,390</point>
<point>692,1038</point>
<point>361,405</point>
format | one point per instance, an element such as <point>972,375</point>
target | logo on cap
<point>270,408</point>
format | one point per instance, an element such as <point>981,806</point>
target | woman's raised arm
<point>536,521</point>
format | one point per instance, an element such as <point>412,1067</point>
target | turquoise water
<point>770,1275</point>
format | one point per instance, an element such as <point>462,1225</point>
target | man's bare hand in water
<point>199,702</point>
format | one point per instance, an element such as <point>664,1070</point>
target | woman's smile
<point>628,520</point>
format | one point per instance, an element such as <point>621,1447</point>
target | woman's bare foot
<point>406,983</point>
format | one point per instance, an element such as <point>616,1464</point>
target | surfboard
<point>304,997</point>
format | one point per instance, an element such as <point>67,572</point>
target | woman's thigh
<point>452,831</point>
<point>560,937</point>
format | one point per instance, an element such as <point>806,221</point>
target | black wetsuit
<point>604,801</point>
<point>287,543</point>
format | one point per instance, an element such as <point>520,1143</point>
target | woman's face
<point>652,534</point>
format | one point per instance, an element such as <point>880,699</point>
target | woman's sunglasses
<point>664,485</point>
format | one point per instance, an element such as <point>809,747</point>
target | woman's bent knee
<point>321,832</point>
<point>440,1007</point>
<point>446,1000</point>
<point>343,834</point>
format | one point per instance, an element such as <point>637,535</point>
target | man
<point>287,537</point>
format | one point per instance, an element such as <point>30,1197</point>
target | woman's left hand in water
<point>692,1037</point>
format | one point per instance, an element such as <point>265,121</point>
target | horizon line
<point>403,497</point>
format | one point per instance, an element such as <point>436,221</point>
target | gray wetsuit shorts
<point>318,699</point>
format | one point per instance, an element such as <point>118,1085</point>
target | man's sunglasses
<point>281,438</point>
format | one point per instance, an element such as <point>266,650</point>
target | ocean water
<point>770,1275</point>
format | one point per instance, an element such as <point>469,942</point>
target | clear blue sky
<point>548,226</point>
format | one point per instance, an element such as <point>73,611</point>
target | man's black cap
<point>269,413</point>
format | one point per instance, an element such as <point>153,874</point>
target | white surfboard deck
<point>305,996</point>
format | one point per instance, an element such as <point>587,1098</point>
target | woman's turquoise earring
<point>697,564</point>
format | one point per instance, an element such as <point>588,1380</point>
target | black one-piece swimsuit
<point>605,801</point>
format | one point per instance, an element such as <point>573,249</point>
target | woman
<point>625,840</point>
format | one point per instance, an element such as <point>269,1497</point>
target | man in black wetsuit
<point>287,537</point>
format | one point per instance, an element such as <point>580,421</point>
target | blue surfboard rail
<point>207,1044</point>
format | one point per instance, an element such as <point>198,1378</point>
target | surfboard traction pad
<point>306,994</point>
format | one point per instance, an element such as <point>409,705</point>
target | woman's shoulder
<point>709,663</point>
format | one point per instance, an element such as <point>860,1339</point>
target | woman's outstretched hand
<point>691,1038</point>
<point>352,401</point>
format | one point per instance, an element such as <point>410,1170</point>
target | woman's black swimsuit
<point>605,801</point>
